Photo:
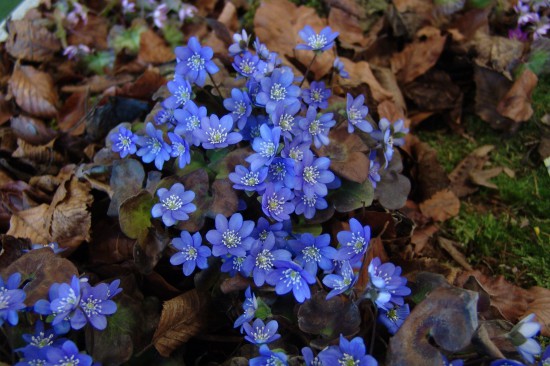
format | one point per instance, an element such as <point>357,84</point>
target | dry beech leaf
<point>153,49</point>
<point>361,73</point>
<point>182,318</point>
<point>516,104</point>
<point>419,56</point>
<point>32,130</point>
<point>44,268</point>
<point>500,54</point>
<point>31,41</point>
<point>32,224</point>
<point>348,25</point>
<point>68,213</point>
<point>93,33</point>
<point>71,113</point>
<point>441,206</point>
<point>34,91</point>
<point>481,177</point>
<point>42,154</point>
<point>6,109</point>
<point>144,87</point>
<point>450,247</point>
<point>460,176</point>
<point>541,307</point>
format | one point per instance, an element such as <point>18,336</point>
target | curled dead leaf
<point>31,224</point>
<point>182,318</point>
<point>516,104</point>
<point>481,177</point>
<point>441,206</point>
<point>34,91</point>
<point>30,40</point>
<point>361,73</point>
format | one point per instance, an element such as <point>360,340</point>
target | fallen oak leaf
<point>182,318</point>
<point>34,91</point>
<point>31,224</point>
<point>516,104</point>
<point>441,206</point>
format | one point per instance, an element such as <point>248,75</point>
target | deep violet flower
<point>277,204</point>
<point>153,147</point>
<point>268,357</point>
<point>393,318</point>
<point>260,260</point>
<point>351,352</point>
<point>356,113</point>
<point>289,276</point>
<point>353,243</point>
<point>11,299</point>
<point>317,95</point>
<point>175,204</point>
<point>316,128</point>
<point>260,333</point>
<point>312,175</point>
<point>231,237</point>
<point>215,133</point>
<point>265,147</point>
<point>313,252</point>
<point>248,180</point>
<point>239,105</point>
<point>195,61</point>
<point>342,281</point>
<point>250,305</point>
<point>124,142</point>
<point>278,88</point>
<point>191,253</point>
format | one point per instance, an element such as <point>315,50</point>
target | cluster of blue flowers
<point>70,306</point>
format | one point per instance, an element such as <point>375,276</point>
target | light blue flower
<point>195,61</point>
<point>175,204</point>
<point>153,147</point>
<point>320,42</point>
<point>191,253</point>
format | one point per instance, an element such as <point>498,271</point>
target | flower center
<point>315,127</point>
<point>216,136</point>
<point>240,109</point>
<point>275,204</point>
<point>296,153</point>
<point>238,263</point>
<point>263,235</point>
<point>317,41</point>
<point>317,95</point>
<point>286,122</point>
<point>195,62</point>
<point>231,239</point>
<point>172,203</point>
<point>41,340</point>
<point>250,179</point>
<point>69,361</point>
<point>354,115</point>
<point>291,278</point>
<point>190,253</point>
<point>357,242</point>
<point>67,301</point>
<point>155,145</point>
<point>390,141</point>
<point>182,95</point>
<point>274,361</point>
<point>348,360</point>
<point>192,123</point>
<point>278,171</point>
<point>310,201</point>
<point>4,300</point>
<point>278,92</point>
<point>124,142</point>
<point>265,259</point>
<point>260,334</point>
<point>311,174</point>
<point>91,306</point>
<point>247,67</point>
<point>311,254</point>
<point>267,149</point>
<point>392,315</point>
<point>179,148</point>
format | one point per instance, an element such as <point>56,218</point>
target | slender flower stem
<point>215,85</point>
<point>308,67</point>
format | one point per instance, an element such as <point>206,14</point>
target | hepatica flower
<point>269,358</point>
<point>278,88</point>
<point>124,142</point>
<point>240,44</point>
<point>265,147</point>
<point>277,204</point>
<point>316,128</point>
<point>153,147</point>
<point>181,91</point>
<point>388,136</point>
<point>231,237</point>
<point>233,264</point>
<point>284,117</point>
<point>94,306</point>
<point>195,61</point>
<point>353,353</point>
<point>180,149</point>
<point>40,339</point>
<point>312,175</point>
<point>175,204</point>
<point>385,285</point>
<point>247,64</point>
<point>354,243</point>
<point>215,133</point>
<point>260,260</point>
<point>11,299</point>
<point>308,204</point>
<point>393,318</point>
<point>317,95</point>
<point>248,180</point>
<point>188,120</point>
<point>356,113</point>
<point>239,105</point>
<point>522,335</point>
<point>338,66</point>
<point>321,41</point>
<point>289,276</point>
<point>260,333</point>
<point>250,305</point>
<point>191,253</point>
<point>67,354</point>
<point>313,252</point>
<point>342,281</point>
<point>281,173</point>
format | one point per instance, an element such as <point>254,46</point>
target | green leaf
<point>173,34</point>
<point>99,61</point>
<point>351,196</point>
<point>135,214</point>
<point>128,39</point>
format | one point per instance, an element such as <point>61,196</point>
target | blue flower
<point>65,302</point>
<point>277,203</point>
<point>195,61</point>
<point>504,362</point>
<point>356,113</point>
<point>241,43</point>
<point>175,204</point>
<point>338,66</point>
<point>308,204</point>
<point>386,285</point>
<point>545,358</point>
<point>124,142</point>
<point>252,128</point>
<point>261,49</point>
<point>374,169</point>
<point>260,333</point>
<point>260,260</point>
<point>231,237</point>
<point>289,276</point>
<point>393,318</point>
<point>250,305</point>
<point>11,299</point>
<point>341,282</point>
<point>233,264</point>
<point>296,148</point>
<point>153,147</point>
<point>189,120</point>
<point>269,358</point>
<point>522,335</point>
<point>284,117</point>
<point>247,180</point>
<point>313,252</point>
<point>317,95</point>
<point>309,359</point>
<point>457,362</point>
<point>239,105</point>
<point>33,356</point>
<point>312,175</point>
<point>247,64</point>
<point>215,133</point>
<point>281,173</point>
<point>190,252</point>
<point>54,246</point>
<point>351,352</point>
<point>354,243</point>
<point>389,136</point>
<point>180,149</point>
<point>67,354</point>
<point>41,338</point>
<point>94,305</point>
<point>113,289</point>
<point>181,91</point>
<point>265,147</point>
<point>315,128</point>
<point>278,88</point>
<point>264,229</point>
<point>317,42</point>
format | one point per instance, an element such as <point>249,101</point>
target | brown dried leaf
<point>6,109</point>
<point>361,73</point>
<point>419,56</point>
<point>450,247</point>
<point>93,33</point>
<point>224,198</point>
<point>12,249</point>
<point>153,49</point>
<point>34,91</point>
<point>481,177</point>
<point>441,206</point>
<point>72,111</point>
<point>434,91</point>
<point>36,155</point>
<point>68,213</point>
<point>500,54</point>
<point>516,104</point>
<point>30,40</point>
<point>460,176</point>
<point>98,84</point>
<point>182,318</point>
<point>32,130</point>
<point>44,268</point>
<point>348,25</point>
<point>541,307</point>
<point>448,315</point>
<point>32,224</point>
<point>144,87</point>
